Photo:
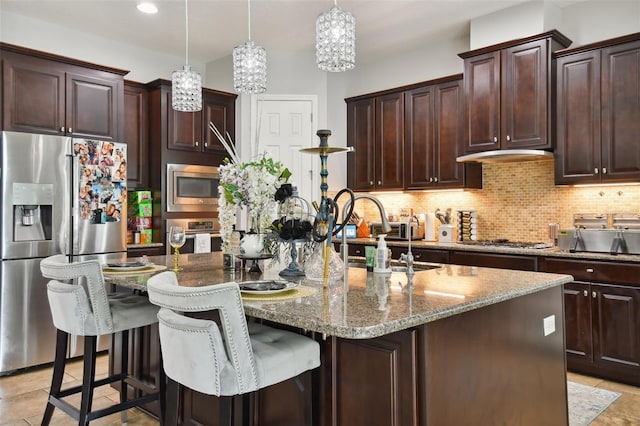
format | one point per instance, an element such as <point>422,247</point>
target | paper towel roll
<point>430,227</point>
<point>202,243</point>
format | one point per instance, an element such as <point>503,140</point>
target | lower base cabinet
<point>602,318</point>
<point>440,373</point>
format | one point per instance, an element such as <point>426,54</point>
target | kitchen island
<point>457,345</point>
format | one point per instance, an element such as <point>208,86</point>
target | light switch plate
<point>549,324</point>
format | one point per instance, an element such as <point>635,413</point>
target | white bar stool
<point>235,359</point>
<point>90,316</point>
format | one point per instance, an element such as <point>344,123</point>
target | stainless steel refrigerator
<point>60,195</point>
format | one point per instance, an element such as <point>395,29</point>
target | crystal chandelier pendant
<point>336,40</point>
<point>186,85</point>
<point>186,90</point>
<point>249,68</point>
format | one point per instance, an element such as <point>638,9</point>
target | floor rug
<point>586,403</point>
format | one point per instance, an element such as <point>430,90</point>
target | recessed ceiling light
<point>147,7</point>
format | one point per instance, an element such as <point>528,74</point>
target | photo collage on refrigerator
<point>103,180</point>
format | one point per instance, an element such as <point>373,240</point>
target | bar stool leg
<point>124,369</point>
<point>88,378</point>
<point>62,339</point>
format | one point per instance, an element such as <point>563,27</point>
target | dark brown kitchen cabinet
<point>189,132</point>
<point>598,112</point>
<point>492,260</point>
<point>375,128</point>
<point>602,318</point>
<point>508,94</point>
<point>136,135</point>
<point>50,94</point>
<point>434,137</point>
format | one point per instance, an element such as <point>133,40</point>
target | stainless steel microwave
<point>192,188</point>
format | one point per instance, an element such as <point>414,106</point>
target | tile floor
<point>23,397</point>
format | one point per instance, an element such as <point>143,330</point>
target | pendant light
<point>186,85</point>
<point>336,40</point>
<point>249,65</point>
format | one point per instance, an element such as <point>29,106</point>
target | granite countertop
<point>550,252</point>
<point>371,305</point>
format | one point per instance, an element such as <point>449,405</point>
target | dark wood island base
<point>488,366</point>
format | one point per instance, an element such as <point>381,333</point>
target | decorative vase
<point>252,245</point>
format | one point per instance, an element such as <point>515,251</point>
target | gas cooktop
<point>502,242</point>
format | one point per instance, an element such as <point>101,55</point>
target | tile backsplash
<point>518,201</point>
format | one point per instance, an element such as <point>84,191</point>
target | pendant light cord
<point>249,17</point>
<point>186,22</point>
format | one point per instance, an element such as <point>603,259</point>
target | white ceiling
<point>216,26</point>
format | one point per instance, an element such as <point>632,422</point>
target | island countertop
<point>370,305</point>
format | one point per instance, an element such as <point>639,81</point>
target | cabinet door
<point>621,112</point>
<point>220,111</point>
<point>482,112</point>
<point>448,135</point>
<point>361,136</point>
<point>577,322</point>
<point>34,93</point>
<point>419,142</point>
<point>135,136</point>
<point>616,327</point>
<point>184,129</point>
<point>524,96</point>
<point>578,118</point>
<point>389,137</point>
<point>92,106</point>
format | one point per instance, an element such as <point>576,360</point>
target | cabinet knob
<point>595,170</point>
<point>371,182</point>
<point>586,293</point>
<point>508,138</point>
<point>590,270</point>
<point>593,294</point>
<point>206,144</point>
<point>70,130</point>
<point>495,139</point>
<point>62,129</point>
<point>431,180</point>
<point>379,182</point>
<point>417,256</point>
<point>435,179</point>
<point>197,143</point>
<point>604,170</point>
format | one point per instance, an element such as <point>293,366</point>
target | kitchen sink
<point>397,266</point>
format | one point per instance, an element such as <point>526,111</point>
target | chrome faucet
<point>385,223</point>
<point>408,256</point>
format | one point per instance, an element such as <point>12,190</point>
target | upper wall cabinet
<point>508,92</point>
<point>189,131</point>
<point>375,128</point>
<point>433,138</point>
<point>48,94</point>
<point>598,109</point>
<point>136,135</point>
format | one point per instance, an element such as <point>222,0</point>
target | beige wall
<point>517,201</point>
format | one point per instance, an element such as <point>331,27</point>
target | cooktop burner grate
<point>506,243</point>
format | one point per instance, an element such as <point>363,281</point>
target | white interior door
<point>285,125</point>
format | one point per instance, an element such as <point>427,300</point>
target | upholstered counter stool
<point>96,314</point>
<point>235,359</point>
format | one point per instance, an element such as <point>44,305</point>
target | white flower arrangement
<point>251,184</point>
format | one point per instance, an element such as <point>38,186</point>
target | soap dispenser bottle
<point>383,260</point>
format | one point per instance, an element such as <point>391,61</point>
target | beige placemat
<point>301,291</point>
<point>150,270</point>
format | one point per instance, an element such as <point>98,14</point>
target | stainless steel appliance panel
<point>192,188</point>
<point>27,335</point>
<point>35,172</point>
<point>96,165</point>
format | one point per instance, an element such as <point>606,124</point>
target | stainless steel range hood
<point>506,155</point>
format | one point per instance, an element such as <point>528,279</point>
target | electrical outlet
<point>549,325</point>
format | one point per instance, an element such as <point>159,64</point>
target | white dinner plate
<point>267,286</point>
<point>127,266</point>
